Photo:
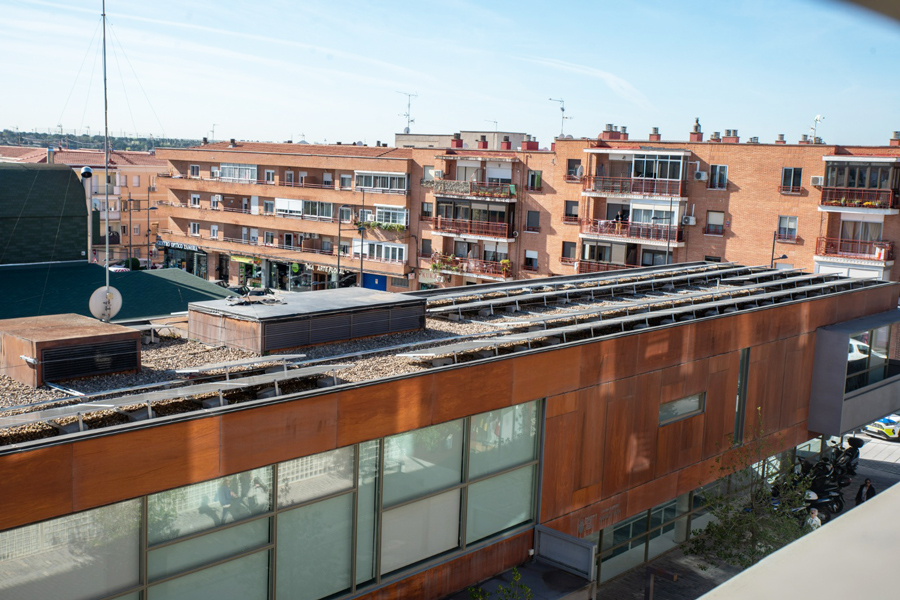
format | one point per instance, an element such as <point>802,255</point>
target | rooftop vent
<point>232,144</point>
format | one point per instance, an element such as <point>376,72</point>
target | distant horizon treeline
<point>9,137</point>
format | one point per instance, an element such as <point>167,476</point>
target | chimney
<point>378,143</point>
<point>530,144</point>
<point>482,143</point>
<point>715,137</point>
<point>506,144</point>
<point>338,143</point>
<point>204,142</point>
<point>49,156</point>
<point>753,140</point>
<point>624,132</point>
<point>731,136</point>
<point>232,144</point>
<point>895,139</point>
<point>456,142</point>
<point>696,134</point>
<point>804,139</point>
<point>818,140</point>
<point>780,139</point>
<point>654,135</point>
<point>609,132</point>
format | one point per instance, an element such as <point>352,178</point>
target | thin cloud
<point>619,86</point>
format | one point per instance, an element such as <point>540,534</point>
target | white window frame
<point>382,251</point>
<point>289,177</point>
<point>194,171</point>
<point>268,207</point>
<point>717,172</point>
<point>136,230</point>
<point>135,181</point>
<point>195,200</point>
<point>391,214</point>
<point>345,214</point>
<point>346,181</point>
<point>382,182</point>
<point>269,238</point>
<point>214,201</point>
<point>789,228</point>
<point>195,229</point>
<point>213,232</point>
<point>270,176</point>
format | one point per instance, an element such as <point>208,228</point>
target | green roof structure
<point>43,214</point>
<point>49,289</point>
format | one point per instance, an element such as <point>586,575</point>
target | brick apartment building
<point>276,214</point>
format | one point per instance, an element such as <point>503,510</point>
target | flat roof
<point>60,327</point>
<point>309,303</point>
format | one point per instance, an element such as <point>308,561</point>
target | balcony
<point>790,190</point>
<point>628,186</point>
<point>591,266</point>
<point>570,219</point>
<point>859,200</point>
<point>645,232</point>
<point>714,230</point>
<point>881,251</point>
<point>453,265</point>
<point>504,192</point>
<point>465,227</point>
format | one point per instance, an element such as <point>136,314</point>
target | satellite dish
<point>103,309</point>
<point>579,172</point>
<point>406,130</point>
<point>359,143</point>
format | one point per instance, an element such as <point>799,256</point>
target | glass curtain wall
<point>315,527</point>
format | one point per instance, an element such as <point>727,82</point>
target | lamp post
<point>149,208</point>
<point>362,230</point>
<point>772,262</point>
<point>337,281</point>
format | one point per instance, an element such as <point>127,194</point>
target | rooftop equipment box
<point>34,350</point>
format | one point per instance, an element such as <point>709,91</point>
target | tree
<point>749,522</point>
<point>515,591</point>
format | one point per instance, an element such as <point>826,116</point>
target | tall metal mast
<point>105,157</point>
<point>409,98</point>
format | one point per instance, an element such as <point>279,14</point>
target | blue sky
<point>331,69</point>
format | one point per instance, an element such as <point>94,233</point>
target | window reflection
<point>867,358</point>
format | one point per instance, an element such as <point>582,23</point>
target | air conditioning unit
<point>438,174</point>
<point>688,220</point>
<point>817,181</point>
<point>701,176</point>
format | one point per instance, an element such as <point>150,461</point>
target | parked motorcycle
<point>847,458</point>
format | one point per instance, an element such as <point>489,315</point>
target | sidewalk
<point>879,461</point>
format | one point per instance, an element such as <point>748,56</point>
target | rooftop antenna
<point>563,117</point>
<point>490,121</point>
<point>409,98</point>
<point>816,121</point>
<point>212,137</point>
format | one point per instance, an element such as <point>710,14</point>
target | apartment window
<point>238,172</point>
<point>318,210</point>
<point>740,407</point>
<point>327,181</point>
<point>195,229</point>
<point>533,221</point>
<point>135,181</point>
<point>381,251</point>
<point>427,208</point>
<point>428,172</point>
<point>365,215</point>
<point>572,166</point>
<point>718,177</point>
<point>867,358</point>
<point>656,167</point>
<point>269,207</point>
<point>653,257</point>
<point>715,223</point>
<point>571,212</point>
<point>531,260</point>
<point>669,412</point>
<point>289,178</point>
<point>270,176</point>
<point>214,201</point>
<point>269,238</point>
<point>596,252</point>
<point>715,259</point>
<point>426,248</point>
<point>345,214</point>
<point>787,228</point>
<point>124,229</point>
<point>569,250</point>
<point>346,181</point>
<point>390,214</point>
<point>791,180</point>
<point>195,170</point>
<point>195,200</point>
<point>381,182</point>
<point>214,232</point>
<point>401,282</point>
<point>534,181</point>
<point>136,230</point>
<point>214,172</point>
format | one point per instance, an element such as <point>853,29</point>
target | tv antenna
<point>409,98</point>
<point>491,121</point>
<point>212,137</point>
<point>815,125</point>
<point>563,117</point>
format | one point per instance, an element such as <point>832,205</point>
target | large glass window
<point>718,177</point>
<point>867,358</point>
<point>86,555</point>
<point>502,439</point>
<point>422,461</point>
<point>498,503</point>
<point>237,172</point>
<point>246,578</point>
<point>315,476</point>
<point>418,530</point>
<point>390,214</point>
<point>656,167</point>
<point>381,182</point>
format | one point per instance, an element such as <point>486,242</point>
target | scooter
<point>847,458</point>
<point>825,505</point>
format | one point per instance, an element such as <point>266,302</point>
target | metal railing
<point>881,250</point>
<point>631,229</point>
<point>591,266</point>
<point>858,198</point>
<point>791,190</point>
<point>633,185</point>
<point>788,236</point>
<point>450,187</point>
<point>472,266</point>
<point>570,219</point>
<point>465,226</point>
<point>714,229</point>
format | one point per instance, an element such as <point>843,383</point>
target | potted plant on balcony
<point>505,267</point>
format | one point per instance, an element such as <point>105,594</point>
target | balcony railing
<point>448,187</point>
<point>790,190</point>
<point>858,198</point>
<point>470,266</point>
<point>464,226</point>
<point>633,185</point>
<point>786,236</point>
<point>630,229</point>
<point>883,250</point>
<point>568,260</point>
<point>714,229</point>
<point>590,266</point>
<point>570,219</point>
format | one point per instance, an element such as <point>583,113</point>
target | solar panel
<point>284,358</point>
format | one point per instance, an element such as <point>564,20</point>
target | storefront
<point>186,257</point>
<point>248,270</point>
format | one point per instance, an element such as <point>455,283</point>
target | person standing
<point>866,491</point>
<point>813,522</point>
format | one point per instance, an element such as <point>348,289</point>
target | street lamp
<point>337,280</point>
<point>772,262</point>
<point>149,208</point>
<point>361,229</point>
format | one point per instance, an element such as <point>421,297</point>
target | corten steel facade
<point>452,216</point>
<point>415,469</point>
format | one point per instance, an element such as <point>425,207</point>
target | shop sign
<point>429,277</point>
<point>245,259</point>
<point>295,268</point>
<point>177,246</point>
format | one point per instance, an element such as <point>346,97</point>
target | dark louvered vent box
<point>35,350</point>
<point>291,320</point>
